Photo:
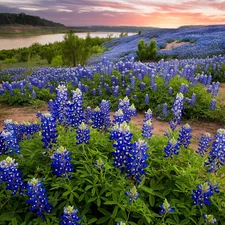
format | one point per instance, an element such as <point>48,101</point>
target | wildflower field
<point>76,165</point>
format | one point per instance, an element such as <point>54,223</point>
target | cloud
<point>161,13</point>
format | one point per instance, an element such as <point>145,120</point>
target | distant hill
<point>181,43</point>
<point>9,19</point>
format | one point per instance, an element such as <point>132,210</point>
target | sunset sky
<point>160,13</point>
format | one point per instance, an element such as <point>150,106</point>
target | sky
<point>146,13</point>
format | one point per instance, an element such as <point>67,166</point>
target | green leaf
<point>103,219</point>
<point>170,221</point>
<point>104,211</point>
<point>111,203</point>
<point>152,200</point>
<point>92,220</point>
<point>14,221</point>
<point>185,221</point>
<point>115,211</point>
<point>147,189</point>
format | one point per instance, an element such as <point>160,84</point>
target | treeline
<point>70,52</point>
<point>23,19</point>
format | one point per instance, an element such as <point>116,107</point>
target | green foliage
<point>100,194</point>
<point>146,51</point>
<point>57,61</point>
<point>74,50</point>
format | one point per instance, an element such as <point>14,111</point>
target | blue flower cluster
<point>70,216</point>
<point>147,128</point>
<point>185,136</point>
<point>204,144</point>
<point>2,144</point>
<point>61,162</point>
<point>217,154</point>
<point>49,132</point>
<point>11,175</point>
<point>118,117</point>
<point>38,198</point>
<point>172,148</point>
<point>83,134</point>
<point>203,193</point>
<point>105,110</point>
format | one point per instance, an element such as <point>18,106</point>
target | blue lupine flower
<point>137,161</point>
<point>204,144</point>
<point>213,104</point>
<point>105,110</point>
<point>121,134</point>
<point>38,198</point>
<point>165,110</point>
<point>119,117</point>
<point>132,194</point>
<point>2,144</point>
<point>166,208</point>
<point>209,218</point>
<point>185,136</point>
<point>83,134</point>
<point>148,115</point>
<point>146,99</point>
<point>97,119</point>
<point>49,132</point>
<point>61,162</point>
<point>177,110</point>
<point>217,155</point>
<point>171,148</point>
<point>202,194</point>
<point>11,175</point>
<point>193,99</point>
<point>70,216</point>
<point>147,129</point>
<point>170,90</point>
<point>11,142</point>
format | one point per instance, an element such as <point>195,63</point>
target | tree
<point>146,51</point>
<point>74,50</point>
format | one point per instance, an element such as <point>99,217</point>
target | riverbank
<point>30,30</point>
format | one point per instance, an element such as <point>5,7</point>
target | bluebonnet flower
<point>217,155</point>
<point>88,115</point>
<point>147,128</point>
<point>38,198</point>
<point>61,162</point>
<point>193,99</point>
<point>166,208</point>
<point>132,110</point>
<point>177,110</point>
<point>146,99</point>
<point>121,134</point>
<point>148,115</point>
<point>209,218</point>
<point>11,142</point>
<point>213,104</point>
<point>97,119</point>
<point>49,132</point>
<point>119,117</point>
<point>11,175</point>
<point>204,144</point>
<point>83,134</point>
<point>70,216</point>
<point>171,148</point>
<point>142,86</point>
<point>2,144</point>
<point>165,110</point>
<point>185,136</point>
<point>105,110</point>
<point>202,194</point>
<point>170,90</point>
<point>128,111</point>
<point>132,194</point>
<point>137,161</point>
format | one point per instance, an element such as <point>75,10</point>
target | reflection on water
<point>20,41</point>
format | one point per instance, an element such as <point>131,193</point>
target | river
<point>20,41</point>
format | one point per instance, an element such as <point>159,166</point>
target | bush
<point>57,61</point>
